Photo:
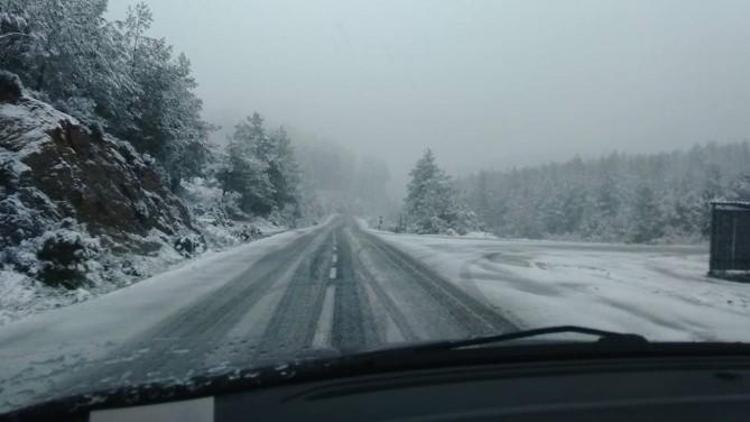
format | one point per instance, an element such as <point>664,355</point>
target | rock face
<point>57,173</point>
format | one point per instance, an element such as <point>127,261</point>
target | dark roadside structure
<point>730,240</point>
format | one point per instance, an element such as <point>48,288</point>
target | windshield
<point>194,188</point>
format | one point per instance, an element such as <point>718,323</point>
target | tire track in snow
<point>197,328</point>
<point>474,316</point>
<point>391,311</point>
<point>294,323</point>
<point>353,319</point>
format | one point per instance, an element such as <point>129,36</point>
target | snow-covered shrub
<point>190,245</point>
<point>204,197</point>
<point>63,257</point>
<point>21,259</point>
<point>288,216</point>
<point>11,88</point>
<point>218,216</point>
<point>247,232</point>
<point>17,222</point>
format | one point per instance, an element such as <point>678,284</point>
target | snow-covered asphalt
<point>333,288</point>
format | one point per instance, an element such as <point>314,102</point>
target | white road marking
<point>324,329</point>
<point>334,259</point>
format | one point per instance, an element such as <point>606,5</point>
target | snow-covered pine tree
<point>244,172</point>
<point>432,205</point>
<point>284,174</point>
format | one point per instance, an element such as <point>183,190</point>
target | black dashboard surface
<point>652,389</point>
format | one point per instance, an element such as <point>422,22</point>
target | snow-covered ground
<point>659,291</point>
<point>36,350</point>
<point>22,295</point>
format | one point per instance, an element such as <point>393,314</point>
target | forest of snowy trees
<point>110,75</point>
<point>619,197</point>
<point>116,78</point>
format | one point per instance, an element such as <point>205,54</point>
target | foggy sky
<point>484,83</point>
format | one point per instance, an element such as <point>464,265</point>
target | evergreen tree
<point>431,204</point>
<point>244,172</point>
<point>646,219</point>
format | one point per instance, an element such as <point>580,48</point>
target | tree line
<point>642,198</point>
<point>620,197</point>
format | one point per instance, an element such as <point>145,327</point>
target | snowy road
<point>337,287</point>
<point>333,288</point>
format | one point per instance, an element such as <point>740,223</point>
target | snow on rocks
<point>81,212</point>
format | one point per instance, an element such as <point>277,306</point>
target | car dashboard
<point>682,388</point>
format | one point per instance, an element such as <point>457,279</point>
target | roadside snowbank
<point>22,295</point>
<point>659,291</point>
<point>40,348</point>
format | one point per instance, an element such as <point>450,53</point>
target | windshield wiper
<point>604,337</point>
